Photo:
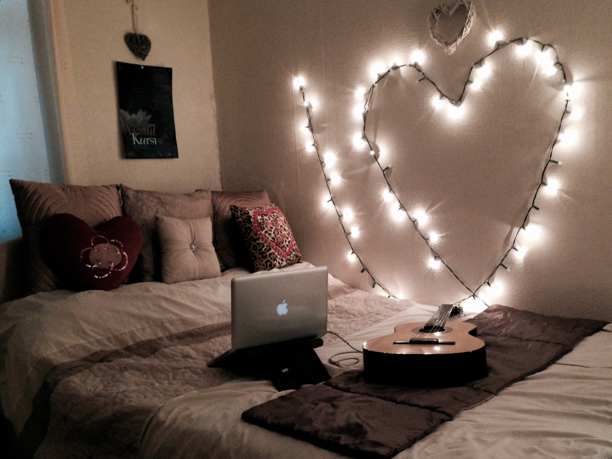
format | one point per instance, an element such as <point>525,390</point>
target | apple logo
<point>282,308</point>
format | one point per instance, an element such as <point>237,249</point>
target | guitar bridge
<point>430,341</point>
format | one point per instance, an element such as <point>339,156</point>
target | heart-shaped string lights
<point>549,66</point>
<point>447,11</point>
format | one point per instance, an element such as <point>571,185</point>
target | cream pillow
<point>187,251</point>
<point>143,205</point>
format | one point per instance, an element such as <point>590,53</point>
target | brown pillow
<point>187,252</point>
<point>227,239</point>
<point>36,202</point>
<point>142,206</point>
<point>267,234</point>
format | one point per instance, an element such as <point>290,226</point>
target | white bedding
<point>564,411</point>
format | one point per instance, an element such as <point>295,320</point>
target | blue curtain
<point>23,150</point>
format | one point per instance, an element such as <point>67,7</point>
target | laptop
<point>284,306</point>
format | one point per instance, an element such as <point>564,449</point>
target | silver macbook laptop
<point>278,306</point>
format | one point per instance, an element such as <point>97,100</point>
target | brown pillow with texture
<point>267,235</point>
<point>36,202</point>
<point>187,252</point>
<point>227,238</point>
<point>143,206</point>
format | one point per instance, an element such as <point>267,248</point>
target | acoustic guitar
<point>427,354</point>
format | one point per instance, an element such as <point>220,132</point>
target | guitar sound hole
<point>432,329</point>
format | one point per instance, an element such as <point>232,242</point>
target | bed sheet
<point>80,373</point>
<point>564,411</point>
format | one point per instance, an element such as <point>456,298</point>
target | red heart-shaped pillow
<point>87,258</point>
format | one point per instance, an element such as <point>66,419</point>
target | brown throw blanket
<point>356,418</point>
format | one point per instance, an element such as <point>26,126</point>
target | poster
<point>146,114</point>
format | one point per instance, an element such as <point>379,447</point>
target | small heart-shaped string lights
<point>479,70</point>
<point>138,43</point>
<point>450,46</point>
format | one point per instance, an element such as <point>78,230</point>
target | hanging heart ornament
<point>139,44</point>
<point>450,45</point>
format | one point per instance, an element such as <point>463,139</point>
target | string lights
<point>548,60</point>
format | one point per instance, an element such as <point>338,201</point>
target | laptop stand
<point>289,364</point>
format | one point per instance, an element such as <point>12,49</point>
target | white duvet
<point>564,411</point>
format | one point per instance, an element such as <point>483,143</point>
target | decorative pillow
<point>36,202</point>
<point>187,252</point>
<point>143,206</point>
<point>227,238</point>
<point>268,237</point>
<point>87,258</point>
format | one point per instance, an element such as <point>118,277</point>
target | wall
<point>475,175</point>
<point>85,40</point>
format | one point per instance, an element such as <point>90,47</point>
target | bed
<point>122,372</point>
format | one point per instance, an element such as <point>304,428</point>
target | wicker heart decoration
<point>139,44</point>
<point>449,10</point>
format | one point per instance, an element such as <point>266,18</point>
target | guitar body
<point>414,357</point>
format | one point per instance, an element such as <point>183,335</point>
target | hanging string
<point>132,3</point>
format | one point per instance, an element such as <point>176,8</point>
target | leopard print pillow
<point>268,237</point>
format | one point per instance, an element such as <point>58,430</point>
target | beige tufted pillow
<point>187,252</point>
<point>143,205</point>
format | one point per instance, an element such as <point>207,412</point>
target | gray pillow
<point>143,206</point>
<point>36,202</point>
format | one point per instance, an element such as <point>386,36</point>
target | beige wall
<point>86,40</point>
<point>475,175</point>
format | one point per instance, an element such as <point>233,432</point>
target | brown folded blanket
<point>350,416</point>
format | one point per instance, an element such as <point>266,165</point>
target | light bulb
<point>477,84</point>
<point>351,256</point>
<point>456,111</point>
<point>532,232</point>
<point>473,305</point>
<point>496,288</point>
<point>523,49</point>
<point>355,231</point>
<point>387,195</point>
<point>378,70</point>
<point>552,187</point>
<point>360,92</point>
<point>335,178</point>
<point>434,263</point>
<point>519,252</point>
<point>434,237</point>
<point>299,82</point>
<point>495,36</point>
<point>348,215</point>
<point>359,141</point>
<point>485,70</point>
<point>576,113</point>
<point>399,214</point>
<point>567,137</point>
<point>330,159</point>
<point>437,101</point>
<point>421,216</point>
<point>417,57</point>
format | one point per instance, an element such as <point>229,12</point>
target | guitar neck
<point>439,318</point>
